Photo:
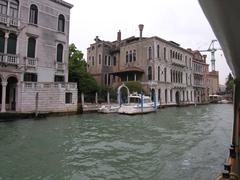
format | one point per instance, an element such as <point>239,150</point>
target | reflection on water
<point>174,143</point>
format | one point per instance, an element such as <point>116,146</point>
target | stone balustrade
<point>31,62</point>
<point>46,85</point>
<point>12,59</point>
<point>9,21</point>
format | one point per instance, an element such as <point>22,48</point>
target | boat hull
<point>132,110</point>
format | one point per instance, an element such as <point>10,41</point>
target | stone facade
<point>200,73</point>
<point>34,38</point>
<point>163,67</point>
<point>213,82</point>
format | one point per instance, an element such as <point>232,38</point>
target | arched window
<point>130,56</point>
<point>60,53</point>
<point>165,74</point>
<point>3,7</point>
<point>159,95</point>
<point>31,47</point>
<point>171,76</point>
<point>33,17</point>
<point>93,61</point>
<point>126,57</point>
<point>61,23</point>
<point>134,55</point>
<point>12,44</point>
<point>100,59</point>
<point>158,51</point>
<point>2,41</point>
<point>150,53</point>
<point>159,73</point>
<point>149,73</point>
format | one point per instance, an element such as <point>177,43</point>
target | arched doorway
<point>177,96</point>
<point>152,94</point>
<point>11,91</point>
<point>123,94</point>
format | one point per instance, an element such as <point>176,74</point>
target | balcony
<point>179,85</point>
<point>9,21</point>
<point>60,66</point>
<point>31,62</point>
<point>11,59</point>
<point>178,62</point>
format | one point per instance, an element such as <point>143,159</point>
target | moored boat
<point>107,109</point>
<point>138,104</point>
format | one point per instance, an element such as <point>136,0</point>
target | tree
<point>78,72</point>
<point>229,84</point>
<point>134,86</point>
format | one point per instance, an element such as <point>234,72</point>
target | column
<point>5,46</point>
<point>96,98</point>
<point>4,86</point>
<point>135,77</point>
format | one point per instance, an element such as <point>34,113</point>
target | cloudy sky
<point>181,21</point>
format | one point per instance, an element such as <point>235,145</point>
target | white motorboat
<point>137,104</point>
<point>108,109</point>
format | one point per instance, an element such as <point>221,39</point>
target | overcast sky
<point>181,21</point>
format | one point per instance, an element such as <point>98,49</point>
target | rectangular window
<point>30,77</point>
<point>58,78</point>
<point>164,53</point>
<point>114,61</point>
<point>3,7</point>
<point>105,62</point>
<point>68,98</point>
<point>99,58</point>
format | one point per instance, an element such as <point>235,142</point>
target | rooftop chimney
<point>141,26</point>
<point>119,34</point>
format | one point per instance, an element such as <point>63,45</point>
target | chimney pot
<point>141,26</point>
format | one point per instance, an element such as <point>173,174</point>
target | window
<point>60,53</point>
<point>2,42</point>
<point>68,98</point>
<point>159,95</point>
<point>164,53</point>
<point>134,55</point>
<point>171,54</point>
<point>58,78</point>
<point>92,60</point>
<point>33,17</point>
<point>165,74</point>
<point>126,57</point>
<point>171,76</point>
<point>149,73</point>
<point>30,77</point>
<point>61,23</point>
<point>159,72</point>
<point>114,60</point>
<point>158,51</point>
<point>130,56</point>
<point>109,60</point>
<point>31,47</point>
<point>166,94</point>
<point>14,9</point>
<point>171,94</point>
<point>12,44</point>
<point>150,53</point>
<point>105,61</point>
<point>105,79</point>
<point>99,59</point>
<point>3,7</point>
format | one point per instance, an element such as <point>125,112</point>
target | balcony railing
<point>12,59</point>
<point>31,62</point>
<point>60,66</point>
<point>9,21</point>
<point>178,62</point>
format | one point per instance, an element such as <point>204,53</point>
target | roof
<point>129,69</point>
<point>64,3</point>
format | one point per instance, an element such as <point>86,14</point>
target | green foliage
<point>229,84</point>
<point>134,86</point>
<point>103,90</point>
<point>78,72</point>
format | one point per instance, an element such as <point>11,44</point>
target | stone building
<point>213,82</point>
<point>200,73</point>
<point>163,67</point>
<point>34,38</point>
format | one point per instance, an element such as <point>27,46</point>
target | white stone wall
<point>51,97</point>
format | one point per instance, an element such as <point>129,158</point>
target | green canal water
<point>173,144</point>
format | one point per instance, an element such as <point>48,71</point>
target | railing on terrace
<point>12,59</point>
<point>8,20</point>
<point>31,62</point>
<point>49,85</point>
<point>60,66</point>
<point>178,62</point>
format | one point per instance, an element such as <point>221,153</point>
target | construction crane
<point>212,49</point>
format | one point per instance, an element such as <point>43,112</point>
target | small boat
<point>137,104</point>
<point>224,101</point>
<point>107,109</point>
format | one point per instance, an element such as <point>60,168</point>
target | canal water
<point>175,143</point>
